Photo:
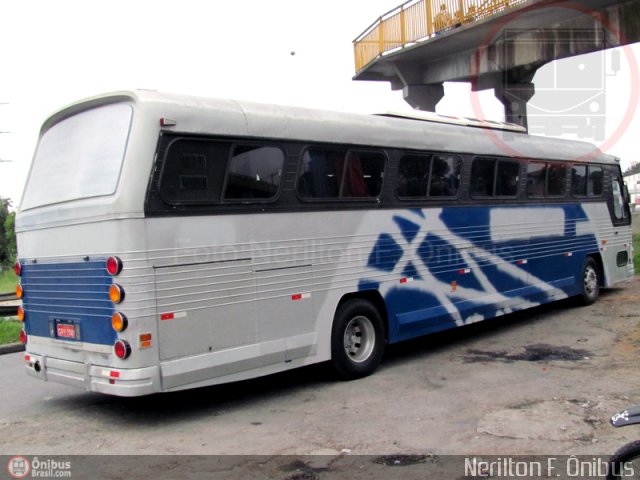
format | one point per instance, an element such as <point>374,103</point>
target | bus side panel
<point>442,268</point>
<point>230,307</point>
<point>204,307</point>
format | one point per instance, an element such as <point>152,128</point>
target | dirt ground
<point>541,382</point>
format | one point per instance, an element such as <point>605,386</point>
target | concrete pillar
<point>514,97</point>
<point>423,97</point>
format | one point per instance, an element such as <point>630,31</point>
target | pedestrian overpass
<point>501,44</point>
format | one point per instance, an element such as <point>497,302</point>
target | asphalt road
<point>544,382</point>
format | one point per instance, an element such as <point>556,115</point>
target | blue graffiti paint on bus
<point>442,268</point>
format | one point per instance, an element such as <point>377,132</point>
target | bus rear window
<point>79,157</point>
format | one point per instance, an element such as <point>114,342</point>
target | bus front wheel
<point>590,282</point>
<point>357,339</point>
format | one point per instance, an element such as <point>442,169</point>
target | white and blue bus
<point>169,242</point>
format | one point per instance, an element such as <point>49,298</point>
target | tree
<point>10,235</point>
<point>633,169</point>
<point>5,256</point>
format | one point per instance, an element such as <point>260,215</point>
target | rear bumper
<point>94,378</point>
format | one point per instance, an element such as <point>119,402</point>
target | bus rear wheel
<point>590,282</point>
<point>357,339</point>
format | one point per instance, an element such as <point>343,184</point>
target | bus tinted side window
<point>545,179</point>
<point>491,177</point>
<point>586,180</point>
<point>193,171</point>
<point>254,173</point>
<point>536,178</point>
<point>445,176</point>
<point>482,176</point>
<point>363,175</point>
<point>332,173</point>
<point>413,176</point>
<point>594,181</point>
<point>579,180</point>
<point>507,177</point>
<point>427,175</point>
<point>556,179</point>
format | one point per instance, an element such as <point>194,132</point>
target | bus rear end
<point>87,294</point>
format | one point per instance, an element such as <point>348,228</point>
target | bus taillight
<point>119,322</point>
<point>21,314</point>
<point>114,266</point>
<point>122,349</point>
<point>19,291</point>
<point>17,267</point>
<point>116,293</point>
<point>23,336</point>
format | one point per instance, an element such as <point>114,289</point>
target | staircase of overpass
<point>501,44</point>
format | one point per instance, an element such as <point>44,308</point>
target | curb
<point>11,348</point>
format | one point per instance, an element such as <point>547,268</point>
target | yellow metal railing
<point>418,20</point>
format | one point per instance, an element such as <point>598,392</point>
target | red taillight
<point>114,265</point>
<point>23,336</point>
<point>122,349</point>
<point>17,267</point>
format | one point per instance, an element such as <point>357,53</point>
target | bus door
<point>616,252</point>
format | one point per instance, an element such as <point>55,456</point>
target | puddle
<point>402,460</point>
<point>530,353</point>
<point>302,471</point>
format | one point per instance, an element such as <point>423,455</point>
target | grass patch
<point>9,330</point>
<point>8,281</point>
<point>636,253</point>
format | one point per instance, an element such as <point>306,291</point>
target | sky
<point>54,53</point>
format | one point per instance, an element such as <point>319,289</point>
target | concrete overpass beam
<point>514,97</point>
<point>423,97</point>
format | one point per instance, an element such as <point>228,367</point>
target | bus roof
<point>210,116</point>
<point>466,121</point>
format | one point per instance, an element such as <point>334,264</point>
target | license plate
<point>66,330</point>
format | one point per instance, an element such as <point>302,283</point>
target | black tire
<point>357,339</point>
<point>628,453</point>
<point>590,280</point>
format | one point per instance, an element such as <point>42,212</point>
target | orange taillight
<point>19,291</point>
<point>116,293</point>
<point>119,322</point>
<point>21,314</point>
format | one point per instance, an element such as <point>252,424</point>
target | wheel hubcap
<point>359,339</point>
<point>590,280</point>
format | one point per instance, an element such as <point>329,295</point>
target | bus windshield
<point>79,157</point>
